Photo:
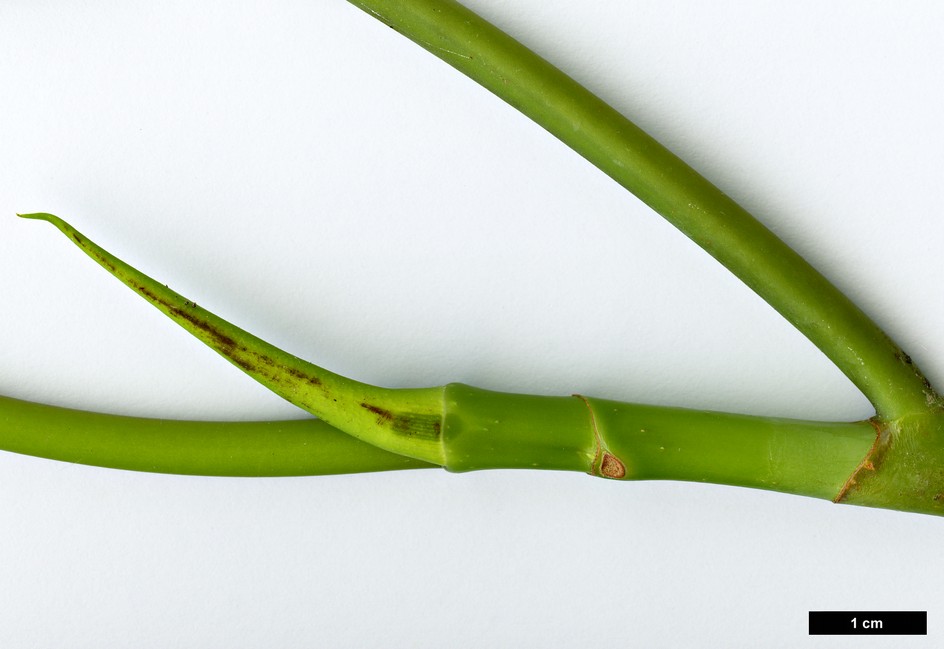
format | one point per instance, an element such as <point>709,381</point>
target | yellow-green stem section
<point>672,188</point>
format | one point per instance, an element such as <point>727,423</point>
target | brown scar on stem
<point>250,361</point>
<point>243,364</point>
<point>96,254</point>
<point>604,464</point>
<point>298,374</point>
<point>611,467</point>
<point>411,425</point>
<point>225,344</point>
<point>383,415</point>
<point>867,463</point>
<point>103,260</point>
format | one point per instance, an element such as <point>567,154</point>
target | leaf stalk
<point>704,213</point>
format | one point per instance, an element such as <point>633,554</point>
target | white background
<point>309,174</point>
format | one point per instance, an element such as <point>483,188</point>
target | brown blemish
<point>383,415</point>
<point>223,343</point>
<point>612,467</point>
<point>411,425</point>
<point>243,363</point>
<point>104,261</point>
<point>93,251</point>
<point>146,292</point>
<point>313,380</point>
<point>221,339</point>
<point>246,359</point>
<point>867,463</point>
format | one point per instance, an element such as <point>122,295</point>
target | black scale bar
<point>868,623</point>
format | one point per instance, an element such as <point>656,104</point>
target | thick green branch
<point>482,430</point>
<point>895,461</point>
<point>703,212</point>
<point>628,441</point>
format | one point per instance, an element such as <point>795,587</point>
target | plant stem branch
<point>484,430</point>
<point>260,448</point>
<point>861,350</point>
<point>468,428</point>
<point>892,461</point>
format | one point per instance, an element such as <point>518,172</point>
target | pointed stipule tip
<point>48,218</point>
<point>40,216</point>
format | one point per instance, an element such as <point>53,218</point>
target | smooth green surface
<point>494,430</point>
<point>264,448</point>
<point>672,188</point>
<point>800,457</point>
<point>486,430</point>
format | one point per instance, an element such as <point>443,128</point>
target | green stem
<point>700,210</point>
<point>893,461</point>
<point>264,448</point>
<point>484,430</point>
<point>467,428</point>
